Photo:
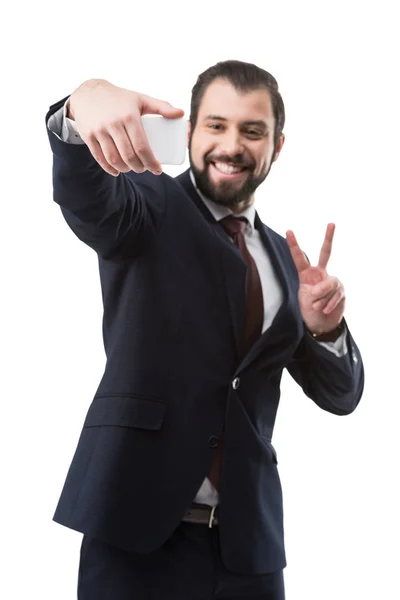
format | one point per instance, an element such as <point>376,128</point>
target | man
<point>174,482</point>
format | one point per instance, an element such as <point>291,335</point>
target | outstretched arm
<point>108,212</point>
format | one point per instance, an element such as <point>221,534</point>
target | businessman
<point>174,482</point>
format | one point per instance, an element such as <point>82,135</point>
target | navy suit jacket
<point>173,288</point>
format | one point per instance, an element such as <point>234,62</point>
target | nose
<point>231,142</point>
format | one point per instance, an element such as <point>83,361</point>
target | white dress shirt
<point>65,130</point>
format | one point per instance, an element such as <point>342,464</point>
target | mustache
<point>238,160</point>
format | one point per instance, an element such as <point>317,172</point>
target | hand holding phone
<point>115,125</point>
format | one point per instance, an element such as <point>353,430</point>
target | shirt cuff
<point>339,346</point>
<point>64,128</point>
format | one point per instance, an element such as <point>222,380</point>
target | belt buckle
<point>211,519</point>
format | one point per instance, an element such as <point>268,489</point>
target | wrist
<point>86,85</point>
<point>68,110</point>
<point>328,336</point>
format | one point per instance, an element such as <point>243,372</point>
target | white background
<point>337,66</point>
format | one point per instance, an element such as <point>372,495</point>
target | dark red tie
<point>236,228</point>
<point>254,318</point>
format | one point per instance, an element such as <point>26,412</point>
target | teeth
<point>228,169</point>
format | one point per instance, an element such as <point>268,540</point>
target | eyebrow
<point>256,123</point>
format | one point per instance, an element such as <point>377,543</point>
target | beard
<point>228,193</point>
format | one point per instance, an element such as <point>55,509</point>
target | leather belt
<point>201,514</point>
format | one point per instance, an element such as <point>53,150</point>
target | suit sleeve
<point>334,383</point>
<point>112,215</point>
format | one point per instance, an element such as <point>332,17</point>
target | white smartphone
<point>167,138</point>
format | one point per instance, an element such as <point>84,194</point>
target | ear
<point>279,146</point>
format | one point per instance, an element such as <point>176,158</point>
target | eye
<point>215,126</point>
<point>253,133</point>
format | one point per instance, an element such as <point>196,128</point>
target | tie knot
<point>234,225</point>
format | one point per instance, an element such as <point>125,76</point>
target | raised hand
<point>321,296</point>
<point>108,119</point>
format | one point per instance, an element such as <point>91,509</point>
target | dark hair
<point>245,77</point>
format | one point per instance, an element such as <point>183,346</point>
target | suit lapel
<point>277,260</point>
<point>285,318</point>
<point>233,266</point>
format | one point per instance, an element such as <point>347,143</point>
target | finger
<point>140,144</point>
<point>298,256</point>
<point>152,106</point>
<point>124,148</point>
<point>98,155</point>
<point>325,288</point>
<point>334,301</point>
<point>326,246</point>
<point>111,152</point>
<point>319,305</point>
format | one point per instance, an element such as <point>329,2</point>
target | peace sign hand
<point>321,296</point>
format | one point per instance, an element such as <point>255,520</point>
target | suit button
<point>236,383</point>
<point>213,441</point>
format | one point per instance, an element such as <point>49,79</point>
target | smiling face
<point>231,147</point>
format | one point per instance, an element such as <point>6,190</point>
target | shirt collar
<point>219,212</point>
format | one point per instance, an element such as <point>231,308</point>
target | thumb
<point>152,106</point>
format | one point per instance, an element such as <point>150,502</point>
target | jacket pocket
<point>126,411</point>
